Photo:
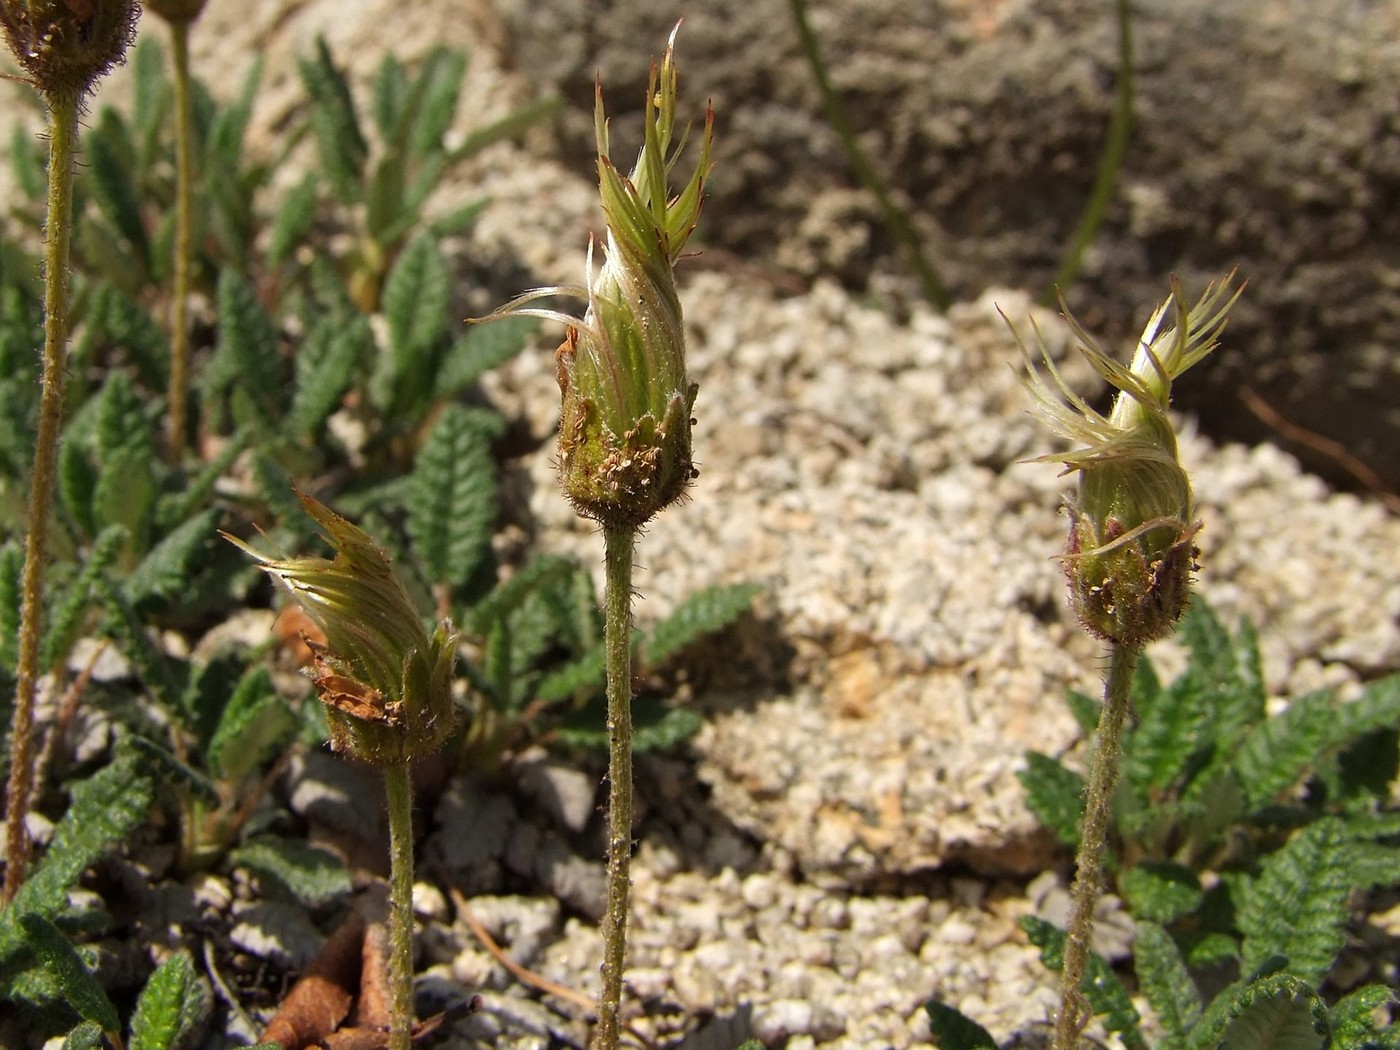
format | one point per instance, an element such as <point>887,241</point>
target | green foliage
<point>704,612</point>
<point>295,870</point>
<point>1055,794</point>
<point>1240,841</point>
<point>952,1030</point>
<point>452,496</point>
<point>171,1008</point>
<point>38,963</point>
<point>1277,1012</point>
<point>1167,984</point>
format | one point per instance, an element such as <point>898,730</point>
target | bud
<point>624,435</point>
<point>1131,549</point>
<point>386,684</point>
<point>66,45</point>
<point>177,12</point>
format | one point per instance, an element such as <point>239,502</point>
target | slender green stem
<point>895,219</point>
<point>398,789</point>
<point>1110,162</point>
<point>617,643</point>
<point>63,129</point>
<point>184,243</point>
<point>1088,876</point>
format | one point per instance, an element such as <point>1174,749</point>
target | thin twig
<point>1110,162</point>
<point>895,219</point>
<point>524,974</point>
<point>1324,446</point>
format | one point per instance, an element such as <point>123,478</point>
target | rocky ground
<point>846,837</point>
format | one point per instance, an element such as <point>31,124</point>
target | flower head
<point>66,45</point>
<point>386,683</point>
<point>624,435</point>
<point>1131,548</point>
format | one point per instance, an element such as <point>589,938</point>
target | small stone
<point>279,932</point>
<point>429,902</point>
<point>568,794</point>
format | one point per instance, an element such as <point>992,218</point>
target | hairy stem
<point>617,642</point>
<point>1088,876</point>
<point>1110,161</point>
<point>184,243</point>
<point>895,219</point>
<point>398,789</point>
<point>63,128</point>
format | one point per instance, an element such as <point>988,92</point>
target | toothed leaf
<point>704,612</point>
<point>951,1029</point>
<point>304,873</point>
<point>1297,906</point>
<point>1164,980</point>
<point>1055,795</point>
<point>452,498</point>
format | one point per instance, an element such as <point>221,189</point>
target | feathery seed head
<point>386,683</point>
<point>624,435</point>
<point>1131,548</point>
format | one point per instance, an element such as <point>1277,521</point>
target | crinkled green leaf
<point>1171,724</point>
<point>1373,865</point>
<point>150,93</point>
<point>951,1029</point>
<point>171,1008</point>
<point>309,875</point>
<point>164,572</point>
<point>480,349</point>
<point>11,568</point>
<point>87,1036</point>
<point>162,764</point>
<point>27,163</point>
<point>390,96</point>
<point>507,597</point>
<point>109,158</point>
<point>1055,795</point>
<point>105,808</point>
<point>585,674</point>
<point>224,145</point>
<point>452,499</point>
<point>40,965</point>
<point>247,358</point>
<point>334,122</point>
<point>123,421</point>
<point>437,89</point>
<point>292,224</point>
<point>125,493</point>
<point>1278,1012</point>
<point>657,727</point>
<point>416,295</point>
<point>1086,708</point>
<point>129,633</point>
<point>1355,1020</point>
<point>254,724</point>
<point>78,598</point>
<point>77,484</point>
<point>705,612</point>
<point>120,319</point>
<point>1164,980</point>
<point>1297,906</point>
<point>1160,891</point>
<point>1279,751</point>
<point>335,350</point>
